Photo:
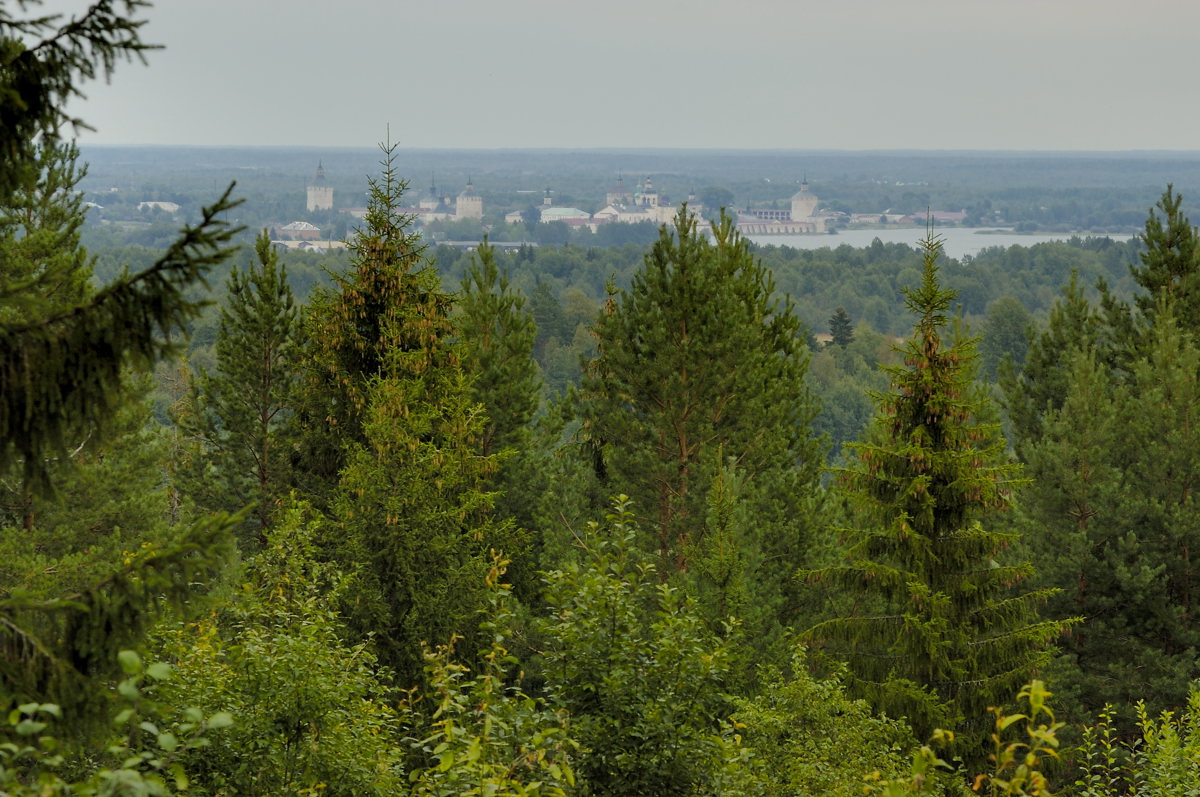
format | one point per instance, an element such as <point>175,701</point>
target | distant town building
<point>468,205</point>
<point>625,214</point>
<point>432,200</point>
<point>804,205</point>
<point>801,219</point>
<point>619,194</point>
<point>320,194</point>
<point>169,207</point>
<point>647,197</point>
<point>869,218</point>
<point>880,218</point>
<point>633,207</point>
<point>437,206</point>
<point>945,216</point>
<point>319,247</point>
<point>297,231</point>
<point>572,216</point>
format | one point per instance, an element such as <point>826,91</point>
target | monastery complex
<point>622,205</point>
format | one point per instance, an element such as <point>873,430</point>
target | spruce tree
<point>952,636</point>
<point>393,409</point>
<point>841,328</point>
<point>388,301</point>
<point>63,366</point>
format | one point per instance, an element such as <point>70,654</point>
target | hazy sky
<point>796,74</point>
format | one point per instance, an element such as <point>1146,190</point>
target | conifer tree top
<point>952,636</point>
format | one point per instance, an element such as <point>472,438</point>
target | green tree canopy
<point>398,442</point>
<point>700,379</point>
<point>1170,261</point>
<point>238,414</point>
<point>841,327</point>
<point>952,636</point>
<point>631,661</point>
<point>498,335</point>
<point>64,356</point>
<point>699,362</point>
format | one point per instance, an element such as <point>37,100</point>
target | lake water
<point>958,241</point>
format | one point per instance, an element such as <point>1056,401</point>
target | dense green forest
<point>581,520</point>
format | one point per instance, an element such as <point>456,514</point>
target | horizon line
<point>653,148</point>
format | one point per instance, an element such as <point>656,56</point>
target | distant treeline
<point>1056,191</point>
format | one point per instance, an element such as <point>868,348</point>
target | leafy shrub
<point>486,736</point>
<point>313,713</point>
<point>632,662</point>
<point>807,737</point>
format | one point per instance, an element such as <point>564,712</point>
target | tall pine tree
<point>1102,415</point>
<point>1111,514</point>
<point>1171,261</point>
<point>498,334</point>
<point>1040,385</point>
<point>701,369</point>
<point>237,415</point>
<point>43,268</point>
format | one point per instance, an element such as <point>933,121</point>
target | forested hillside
<point>568,520</point>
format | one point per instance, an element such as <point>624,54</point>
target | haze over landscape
<point>659,399</point>
<point>858,74</point>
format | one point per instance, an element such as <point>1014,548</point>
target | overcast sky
<point>795,74</point>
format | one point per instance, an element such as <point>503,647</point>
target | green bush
<point>807,737</point>
<point>632,662</point>
<point>1163,759</point>
<point>487,737</point>
<point>312,712</point>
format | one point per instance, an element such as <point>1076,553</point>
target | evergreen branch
<point>37,80</point>
<point>49,648</point>
<point>63,371</point>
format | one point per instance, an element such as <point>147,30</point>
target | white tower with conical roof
<point>320,195</point>
<point>468,204</point>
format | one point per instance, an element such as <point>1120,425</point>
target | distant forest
<point>1000,293</point>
